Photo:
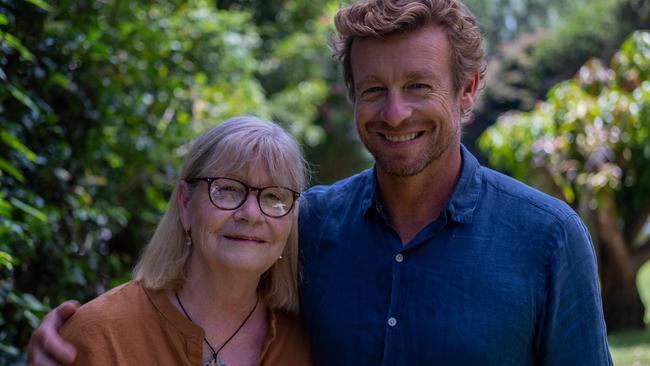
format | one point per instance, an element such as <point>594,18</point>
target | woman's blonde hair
<point>233,146</point>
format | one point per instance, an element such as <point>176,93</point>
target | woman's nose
<point>250,209</point>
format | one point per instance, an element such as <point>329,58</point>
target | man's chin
<point>401,169</point>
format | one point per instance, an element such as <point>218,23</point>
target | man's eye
<point>373,89</point>
<point>420,86</point>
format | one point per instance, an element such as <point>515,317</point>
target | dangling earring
<point>188,238</point>
<point>280,257</point>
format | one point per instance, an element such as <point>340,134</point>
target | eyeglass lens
<point>230,194</point>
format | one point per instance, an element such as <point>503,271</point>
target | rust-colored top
<point>132,325</point>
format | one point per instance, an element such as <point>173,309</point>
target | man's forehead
<point>430,36</point>
<point>417,72</point>
<point>414,52</point>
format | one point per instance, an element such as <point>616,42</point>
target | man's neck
<point>413,202</point>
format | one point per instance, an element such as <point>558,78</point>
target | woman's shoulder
<point>121,302</point>
<point>126,326</point>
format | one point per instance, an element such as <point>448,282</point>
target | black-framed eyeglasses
<point>230,194</point>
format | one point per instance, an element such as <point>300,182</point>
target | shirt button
<point>392,321</point>
<point>399,258</point>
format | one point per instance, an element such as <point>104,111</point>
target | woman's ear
<point>183,201</point>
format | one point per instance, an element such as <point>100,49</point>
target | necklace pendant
<point>214,362</point>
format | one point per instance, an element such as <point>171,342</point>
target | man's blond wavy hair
<point>386,18</point>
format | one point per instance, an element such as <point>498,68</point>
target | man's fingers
<point>37,358</point>
<point>46,347</point>
<point>58,349</point>
<point>53,344</point>
<point>65,310</point>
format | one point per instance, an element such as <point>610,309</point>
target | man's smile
<point>401,138</point>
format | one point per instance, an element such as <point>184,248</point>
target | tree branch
<point>612,237</point>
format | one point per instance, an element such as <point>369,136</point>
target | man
<point>429,258</point>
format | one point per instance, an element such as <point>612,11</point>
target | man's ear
<point>183,201</point>
<point>468,94</point>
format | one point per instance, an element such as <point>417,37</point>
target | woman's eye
<point>271,197</point>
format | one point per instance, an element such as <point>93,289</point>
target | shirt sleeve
<point>572,327</point>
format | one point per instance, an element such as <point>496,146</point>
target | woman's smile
<point>244,238</point>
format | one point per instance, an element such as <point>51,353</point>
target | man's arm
<point>46,347</point>
<point>573,330</point>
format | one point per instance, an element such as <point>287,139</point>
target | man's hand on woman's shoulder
<point>46,347</point>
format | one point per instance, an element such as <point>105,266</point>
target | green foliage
<point>591,135</point>
<point>503,20</point>
<point>643,283</point>
<point>630,348</point>
<point>589,29</point>
<point>523,70</point>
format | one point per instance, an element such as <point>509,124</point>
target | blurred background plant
<point>99,100</point>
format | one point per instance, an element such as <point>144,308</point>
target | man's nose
<point>395,108</point>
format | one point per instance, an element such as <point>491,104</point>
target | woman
<point>217,284</point>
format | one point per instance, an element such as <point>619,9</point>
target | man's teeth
<point>401,138</point>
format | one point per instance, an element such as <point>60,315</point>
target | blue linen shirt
<point>506,275</point>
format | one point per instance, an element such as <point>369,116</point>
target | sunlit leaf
<point>32,303</point>
<point>23,98</point>
<point>5,207</point>
<point>15,43</point>
<point>13,142</point>
<point>41,4</point>
<point>6,260</point>
<point>11,170</point>
<point>61,80</point>
<point>28,209</point>
<point>31,317</point>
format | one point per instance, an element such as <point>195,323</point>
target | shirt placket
<point>394,325</point>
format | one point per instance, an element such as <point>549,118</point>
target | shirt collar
<point>462,203</point>
<point>466,194</point>
<point>369,193</point>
